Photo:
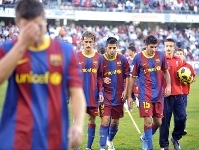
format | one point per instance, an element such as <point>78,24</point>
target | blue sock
<point>112,132</point>
<point>154,129</point>
<point>103,136</point>
<point>148,137</point>
<point>91,135</point>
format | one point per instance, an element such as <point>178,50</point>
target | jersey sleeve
<point>100,76</point>
<point>164,63</point>
<point>126,68</point>
<point>74,72</point>
<point>134,67</point>
<point>2,52</point>
<point>5,47</point>
<point>192,70</point>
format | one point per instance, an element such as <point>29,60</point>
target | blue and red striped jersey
<point>35,113</point>
<point>149,71</point>
<point>117,69</point>
<point>92,77</point>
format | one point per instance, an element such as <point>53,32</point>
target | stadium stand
<point>158,6</point>
<point>187,38</point>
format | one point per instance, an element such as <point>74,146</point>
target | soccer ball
<point>184,75</point>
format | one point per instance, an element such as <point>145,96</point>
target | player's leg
<point>164,128</point>
<point>156,124</point>
<point>117,112</point>
<point>148,132</point>
<point>185,98</point>
<point>146,109</point>
<point>157,116</point>
<point>179,121</point>
<point>113,128</point>
<point>92,113</point>
<point>105,112</point>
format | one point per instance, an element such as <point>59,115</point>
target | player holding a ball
<point>173,103</point>
<point>186,87</point>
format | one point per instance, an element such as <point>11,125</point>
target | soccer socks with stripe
<point>91,135</point>
<point>112,132</point>
<point>103,136</point>
<point>148,137</point>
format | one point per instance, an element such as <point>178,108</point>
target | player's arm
<point>168,82</point>
<point>78,105</point>
<point>164,67</point>
<point>100,80</point>
<point>78,101</point>
<point>126,75</point>
<point>9,61</point>
<point>28,35</point>
<point>134,69</point>
<point>78,110</point>
<point>192,72</point>
<point>131,83</point>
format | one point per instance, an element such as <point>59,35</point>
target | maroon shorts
<point>148,109</point>
<point>115,112</point>
<point>92,111</point>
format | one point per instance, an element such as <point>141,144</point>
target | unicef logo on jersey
<point>54,78</point>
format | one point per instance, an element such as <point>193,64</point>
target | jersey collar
<point>88,56</point>
<point>42,47</point>
<point>114,58</point>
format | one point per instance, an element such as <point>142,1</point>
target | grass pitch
<point>127,137</point>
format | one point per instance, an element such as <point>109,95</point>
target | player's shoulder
<point>176,57</point>
<point>98,55</point>
<point>64,45</point>
<point>160,53</point>
<point>79,53</point>
<point>137,56</point>
<point>7,45</point>
<point>121,56</point>
<point>186,64</point>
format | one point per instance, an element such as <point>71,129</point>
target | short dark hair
<point>111,40</point>
<point>132,47</point>
<point>151,40</point>
<point>29,9</point>
<point>101,50</point>
<point>89,34</point>
<point>143,49</point>
<point>170,40</point>
<point>180,50</point>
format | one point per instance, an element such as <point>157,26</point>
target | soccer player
<point>185,87</point>
<point>39,70</point>
<point>115,72</point>
<point>173,103</point>
<point>149,66</point>
<point>101,50</point>
<point>132,53</point>
<point>91,63</point>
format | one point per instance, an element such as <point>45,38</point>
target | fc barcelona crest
<point>119,63</point>
<point>55,59</point>
<point>95,63</point>
<point>157,60</point>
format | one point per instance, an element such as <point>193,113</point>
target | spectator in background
<point>101,50</point>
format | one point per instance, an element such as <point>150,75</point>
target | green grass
<point>127,137</point>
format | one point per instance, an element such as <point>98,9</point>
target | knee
<point>91,119</point>
<point>115,122</point>
<point>157,124</point>
<point>148,122</point>
<point>105,121</point>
